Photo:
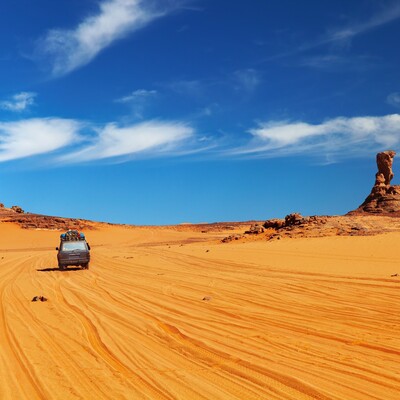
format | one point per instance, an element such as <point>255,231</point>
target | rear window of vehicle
<point>69,246</point>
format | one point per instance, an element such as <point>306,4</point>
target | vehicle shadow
<point>59,270</point>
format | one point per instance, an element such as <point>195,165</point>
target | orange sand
<point>166,314</point>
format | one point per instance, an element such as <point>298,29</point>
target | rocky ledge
<point>17,215</point>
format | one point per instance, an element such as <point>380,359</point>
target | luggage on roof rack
<point>72,235</point>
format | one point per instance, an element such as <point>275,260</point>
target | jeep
<point>73,250</point>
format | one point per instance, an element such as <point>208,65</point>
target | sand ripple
<point>177,322</point>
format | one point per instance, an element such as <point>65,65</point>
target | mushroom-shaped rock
<point>384,197</point>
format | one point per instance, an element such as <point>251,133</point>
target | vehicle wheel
<point>61,267</point>
<point>85,266</point>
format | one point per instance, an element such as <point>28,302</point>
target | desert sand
<point>168,313</point>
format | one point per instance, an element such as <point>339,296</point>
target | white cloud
<point>341,136</point>
<point>19,102</point>
<point>70,49</point>
<point>31,137</point>
<point>137,95</point>
<point>394,99</point>
<point>150,138</point>
<point>41,136</point>
<point>138,101</point>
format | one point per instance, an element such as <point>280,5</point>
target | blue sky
<point>161,112</point>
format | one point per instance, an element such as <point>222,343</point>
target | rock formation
<point>17,215</point>
<point>255,229</point>
<point>289,221</point>
<point>384,197</point>
<point>17,209</point>
<point>384,161</point>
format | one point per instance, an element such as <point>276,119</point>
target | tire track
<point>54,349</point>
<point>27,378</point>
<point>105,353</point>
<point>137,326</point>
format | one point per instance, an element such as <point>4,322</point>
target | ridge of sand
<point>174,314</point>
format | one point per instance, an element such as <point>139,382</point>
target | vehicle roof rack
<point>71,235</point>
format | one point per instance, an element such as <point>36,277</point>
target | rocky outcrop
<point>289,221</point>
<point>294,219</point>
<point>34,221</point>
<point>255,229</point>
<point>347,225</point>
<point>230,238</point>
<point>17,209</point>
<point>384,197</point>
<point>26,220</point>
<point>274,223</point>
<point>294,225</point>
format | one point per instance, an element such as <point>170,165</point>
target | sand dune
<point>172,314</point>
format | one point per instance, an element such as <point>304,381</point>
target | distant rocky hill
<point>26,220</point>
<point>17,215</point>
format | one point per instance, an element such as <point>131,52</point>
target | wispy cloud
<point>72,141</point>
<point>137,95</point>
<point>336,62</point>
<point>240,81</point>
<point>339,136</point>
<point>394,99</point>
<point>138,101</point>
<point>206,111</point>
<point>19,102</point>
<point>69,49</point>
<point>342,35</point>
<point>247,80</point>
<point>31,137</point>
<point>382,17</point>
<point>76,141</point>
<point>150,138</point>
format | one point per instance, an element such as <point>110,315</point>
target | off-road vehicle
<point>73,250</point>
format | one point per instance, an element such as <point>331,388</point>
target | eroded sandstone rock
<point>274,223</point>
<point>255,230</point>
<point>384,197</point>
<point>293,219</point>
<point>384,161</point>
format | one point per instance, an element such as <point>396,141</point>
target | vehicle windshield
<point>75,245</point>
